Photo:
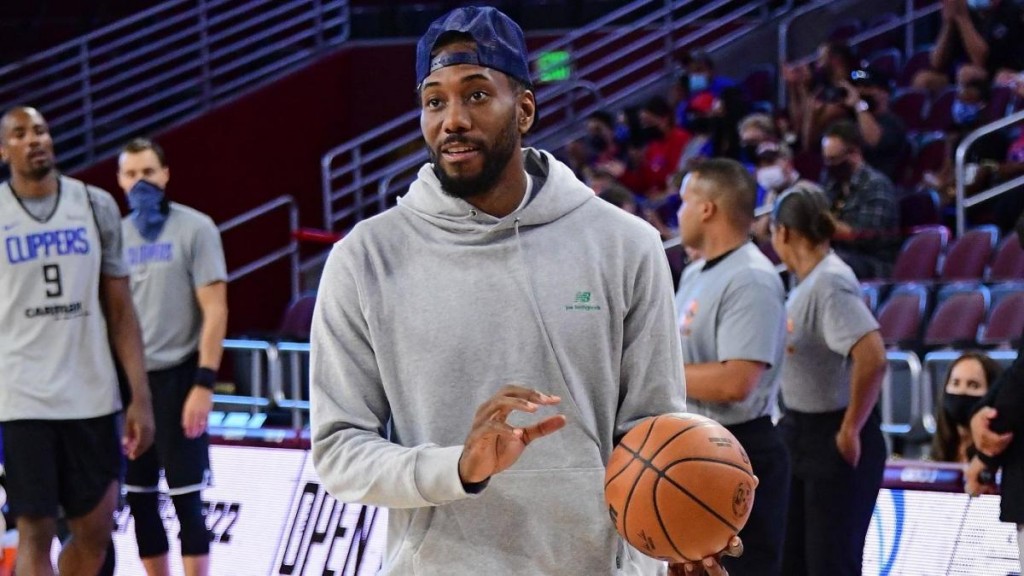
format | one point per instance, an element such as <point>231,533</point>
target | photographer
<point>884,133</point>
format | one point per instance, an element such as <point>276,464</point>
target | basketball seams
<point>708,459</point>
<point>634,453</point>
<point>661,522</point>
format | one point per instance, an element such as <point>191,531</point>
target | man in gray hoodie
<point>478,350</point>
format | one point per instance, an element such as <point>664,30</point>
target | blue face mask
<point>979,4</point>
<point>698,83</point>
<point>964,113</point>
<point>148,213</point>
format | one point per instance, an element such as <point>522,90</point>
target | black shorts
<point>53,464</point>
<point>185,461</point>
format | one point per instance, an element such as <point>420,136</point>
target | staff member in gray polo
<point>831,378</point>
<point>179,285</point>
<point>731,309</point>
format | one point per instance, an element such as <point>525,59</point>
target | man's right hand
<point>139,428</point>
<point>493,445</point>
<point>985,440</point>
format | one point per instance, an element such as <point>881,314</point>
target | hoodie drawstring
<point>547,340</point>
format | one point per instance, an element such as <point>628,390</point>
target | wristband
<point>205,377</point>
<point>988,461</point>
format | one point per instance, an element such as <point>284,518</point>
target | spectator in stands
<point>867,235</point>
<point>883,132</point>
<point>983,157</point>
<point>704,126</point>
<point>732,325</point>
<point>755,129</point>
<point>967,380</point>
<point>815,96</point>
<point>665,144</point>
<point>601,144</point>
<point>179,286</point>
<point>775,173</point>
<point>700,78</point>
<point>982,33</point>
<point>438,362</point>
<point>831,377</point>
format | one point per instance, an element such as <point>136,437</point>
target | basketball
<point>679,487</point>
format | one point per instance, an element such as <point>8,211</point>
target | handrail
<point>362,174</point>
<point>907,20</point>
<point>165,64</point>
<point>290,251</point>
<point>962,203</point>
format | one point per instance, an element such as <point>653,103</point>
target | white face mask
<point>772,177</point>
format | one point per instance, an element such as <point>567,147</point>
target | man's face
<point>472,121</point>
<point>26,144</point>
<point>692,212</point>
<point>834,151</point>
<point>144,165</point>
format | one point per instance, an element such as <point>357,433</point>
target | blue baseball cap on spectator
<point>500,43</point>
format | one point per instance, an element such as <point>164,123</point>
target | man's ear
<point>527,111</point>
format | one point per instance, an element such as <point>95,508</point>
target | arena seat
<point>1005,321</point>
<point>1008,262</point>
<point>960,311</point>
<point>916,62</point>
<point>909,105</point>
<point>968,255</point>
<point>888,61</point>
<point>919,257</point>
<point>939,116</point>
<point>901,315</point>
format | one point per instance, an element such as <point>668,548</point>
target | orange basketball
<point>679,487</point>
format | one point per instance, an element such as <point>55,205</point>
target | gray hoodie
<point>425,311</point>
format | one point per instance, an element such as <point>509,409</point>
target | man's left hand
<point>196,412</point>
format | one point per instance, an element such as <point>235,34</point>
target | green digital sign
<point>555,66</point>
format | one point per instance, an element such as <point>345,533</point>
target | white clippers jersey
<point>55,360</point>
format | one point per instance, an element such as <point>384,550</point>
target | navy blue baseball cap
<point>499,43</point>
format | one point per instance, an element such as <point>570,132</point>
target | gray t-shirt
<point>734,310</point>
<point>826,317</point>
<point>165,274</point>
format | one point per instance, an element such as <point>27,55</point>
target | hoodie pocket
<point>528,522</point>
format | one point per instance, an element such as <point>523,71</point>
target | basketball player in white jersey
<point>66,302</point>
<point>179,285</point>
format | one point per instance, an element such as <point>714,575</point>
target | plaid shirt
<point>869,206</point>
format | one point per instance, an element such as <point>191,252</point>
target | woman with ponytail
<point>831,377</point>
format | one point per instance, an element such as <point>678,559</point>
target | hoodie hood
<point>556,192</point>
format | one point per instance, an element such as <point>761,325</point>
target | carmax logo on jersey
<point>47,244</point>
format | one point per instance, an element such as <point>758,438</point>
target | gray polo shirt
<point>165,274</point>
<point>734,309</point>
<point>826,317</point>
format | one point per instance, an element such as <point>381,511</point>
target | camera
<point>833,94</point>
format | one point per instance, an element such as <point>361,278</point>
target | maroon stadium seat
<point>917,61</point>
<point>900,317</point>
<point>940,112</point>
<point>298,318</point>
<point>968,255</point>
<point>887,61</point>
<point>1005,321</point>
<point>957,317</point>
<point>1008,263</point>
<point>909,105</point>
<point>919,257</point>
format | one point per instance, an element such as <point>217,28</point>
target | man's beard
<point>496,159</point>
<point>37,173</point>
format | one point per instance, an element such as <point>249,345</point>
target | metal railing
<point>290,251</point>
<point>960,171</point>
<point>164,65</point>
<point>615,57</point>
<point>910,16</point>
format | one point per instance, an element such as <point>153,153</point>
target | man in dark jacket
<point>995,429</point>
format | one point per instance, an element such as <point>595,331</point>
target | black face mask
<point>958,408</point>
<point>749,152</point>
<point>841,172</point>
